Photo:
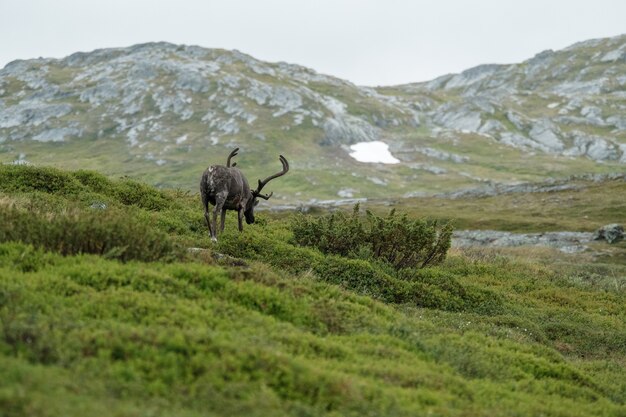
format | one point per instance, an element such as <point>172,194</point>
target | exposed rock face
<point>138,91</point>
<point>534,105</point>
<point>559,106</point>
<point>464,119</point>
<point>594,147</point>
<point>568,242</point>
<point>545,134</point>
<point>348,130</point>
<point>611,233</point>
<point>32,113</point>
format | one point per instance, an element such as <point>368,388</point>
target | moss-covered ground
<point>256,325</point>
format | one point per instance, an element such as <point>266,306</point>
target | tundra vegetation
<point>105,311</point>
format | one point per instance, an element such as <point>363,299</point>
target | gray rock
<point>57,134</point>
<point>471,76</point>
<point>100,93</point>
<point>618,121</point>
<point>544,132</point>
<point>517,140</point>
<point>259,92</point>
<point>612,233</point>
<point>234,107</point>
<point>491,127</point>
<point>231,81</point>
<point>285,99</point>
<point>576,88</point>
<point>493,189</point>
<point>442,155</point>
<point>176,102</point>
<point>516,119</point>
<point>32,113</point>
<point>569,242</point>
<point>429,168</point>
<point>98,205</point>
<point>539,62</point>
<point>461,119</point>
<point>193,81</point>
<point>377,181</point>
<point>348,130</point>
<point>615,55</point>
<point>346,192</point>
<point>594,147</point>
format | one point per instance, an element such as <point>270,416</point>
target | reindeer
<point>226,188</point>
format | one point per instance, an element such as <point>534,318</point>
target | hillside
<point>257,325</point>
<point>162,113</point>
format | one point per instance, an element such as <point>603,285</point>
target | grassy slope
<point>282,330</point>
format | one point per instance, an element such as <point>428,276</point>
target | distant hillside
<point>162,113</point>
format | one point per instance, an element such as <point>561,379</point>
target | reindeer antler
<point>233,153</point>
<point>257,192</point>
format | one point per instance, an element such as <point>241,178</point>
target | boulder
<point>612,233</point>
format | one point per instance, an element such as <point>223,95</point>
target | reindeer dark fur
<point>226,188</point>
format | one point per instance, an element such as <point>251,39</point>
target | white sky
<point>369,42</point>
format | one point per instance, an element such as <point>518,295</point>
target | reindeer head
<point>256,194</point>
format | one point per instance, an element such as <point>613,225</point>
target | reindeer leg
<point>223,220</point>
<point>219,205</point>
<point>207,207</point>
<point>240,218</point>
<point>207,217</point>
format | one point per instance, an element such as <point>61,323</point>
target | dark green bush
<point>135,193</point>
<point>83,184</point>
<point>395,239</point>
<point>429,287</point>
<point>337,233</point>
<point>95,181</point>
<point>23,178</point>
<point>441,289</point>
<point>116,234</point>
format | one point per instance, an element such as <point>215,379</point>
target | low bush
<point>397,240</point>
<point>82,185</point>
<point>429,287</point>
<point>129,192</point>
<point>22,178</point>
<point>338,233</point>
<point>112,233</point>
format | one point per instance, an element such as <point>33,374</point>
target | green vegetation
<point>258,325</point>
<point>585,207</point>
<point>396,240</point>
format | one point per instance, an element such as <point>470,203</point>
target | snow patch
<point>375,151</point>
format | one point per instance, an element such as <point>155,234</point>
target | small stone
<point>98,205</point>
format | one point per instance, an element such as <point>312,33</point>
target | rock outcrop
<point>611,233</point>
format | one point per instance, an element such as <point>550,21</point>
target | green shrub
<point>82,185</point>
<point>23,178</point>
<point>338,233</point>
<point>95,181</point>
<point>112,233</point>
<point>130,192</point>
<point>395,239</point>
<point>431,288</point>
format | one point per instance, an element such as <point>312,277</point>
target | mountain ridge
<point>162,112</point>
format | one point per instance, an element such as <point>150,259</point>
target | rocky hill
<point>163,112</point>
<point>568,103</point>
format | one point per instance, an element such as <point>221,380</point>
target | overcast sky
<point>369,42</point>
